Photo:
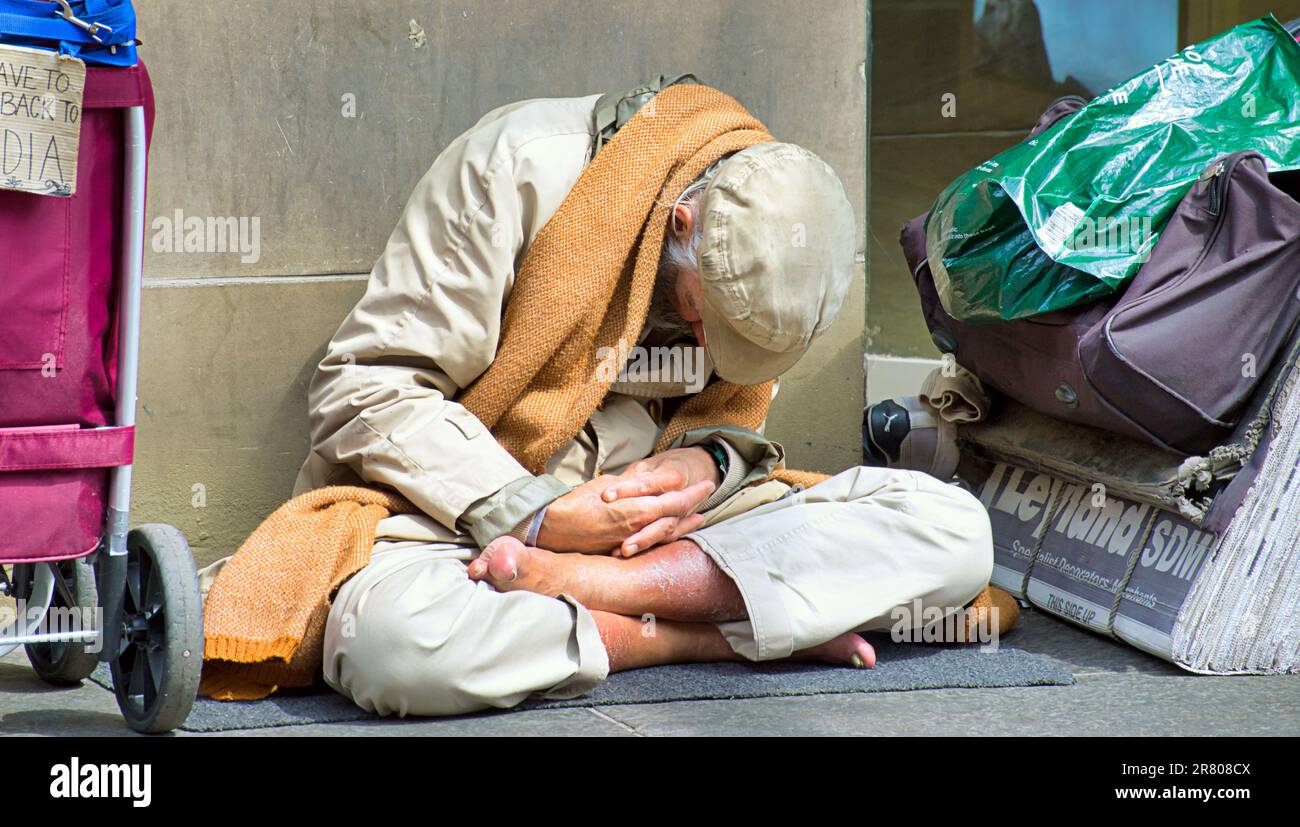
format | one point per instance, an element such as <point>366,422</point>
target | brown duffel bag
<point>1171,358</point>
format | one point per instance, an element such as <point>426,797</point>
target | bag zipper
<point>1215,172</point>
<point>1218,173</point>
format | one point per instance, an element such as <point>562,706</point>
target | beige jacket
<point>382,402</point>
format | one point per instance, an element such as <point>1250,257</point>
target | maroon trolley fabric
<point>59,271</point>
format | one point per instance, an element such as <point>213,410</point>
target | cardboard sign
<point>40,120</point>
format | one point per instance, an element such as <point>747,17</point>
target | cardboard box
<point>1173,554</point>
<point>1108,564</point>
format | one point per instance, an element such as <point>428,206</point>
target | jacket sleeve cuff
<point>737,471</point>
<point>754,454</point>
<point>510,509</point>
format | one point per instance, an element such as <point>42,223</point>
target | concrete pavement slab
<point>542,722</point>
<point>29,706</point>
<point>1127,704</point>
<point>1120,691</point>
<point>1078,650</point>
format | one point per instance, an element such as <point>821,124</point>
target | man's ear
<point>682,220</point>
<point>690,298</point>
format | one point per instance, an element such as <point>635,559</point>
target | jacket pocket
<point>33,280</point>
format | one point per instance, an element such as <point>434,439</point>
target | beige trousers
<point>411,634</point>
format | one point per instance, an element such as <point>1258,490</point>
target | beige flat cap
<point>776,259</point>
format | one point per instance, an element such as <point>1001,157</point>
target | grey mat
<point>902,667</point>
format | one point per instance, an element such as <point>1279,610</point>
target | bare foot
<point>848,648</point>
<point>630,644</point>
<point>509,565</point>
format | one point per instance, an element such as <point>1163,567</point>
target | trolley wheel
<point>66,663</point>
<point>157,664</point>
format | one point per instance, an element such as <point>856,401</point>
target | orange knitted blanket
<point>264,619</point>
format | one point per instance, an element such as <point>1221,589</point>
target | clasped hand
<point>653,502</point>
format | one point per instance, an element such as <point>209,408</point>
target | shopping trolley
<point>84,588</point>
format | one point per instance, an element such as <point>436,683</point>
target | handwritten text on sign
<point>40,120</point>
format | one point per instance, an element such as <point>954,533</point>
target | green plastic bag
<point>1069,216</point>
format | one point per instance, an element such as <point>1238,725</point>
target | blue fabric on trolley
<point>37,24</point>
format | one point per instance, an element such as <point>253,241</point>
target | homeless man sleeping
<point>569,517</point>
